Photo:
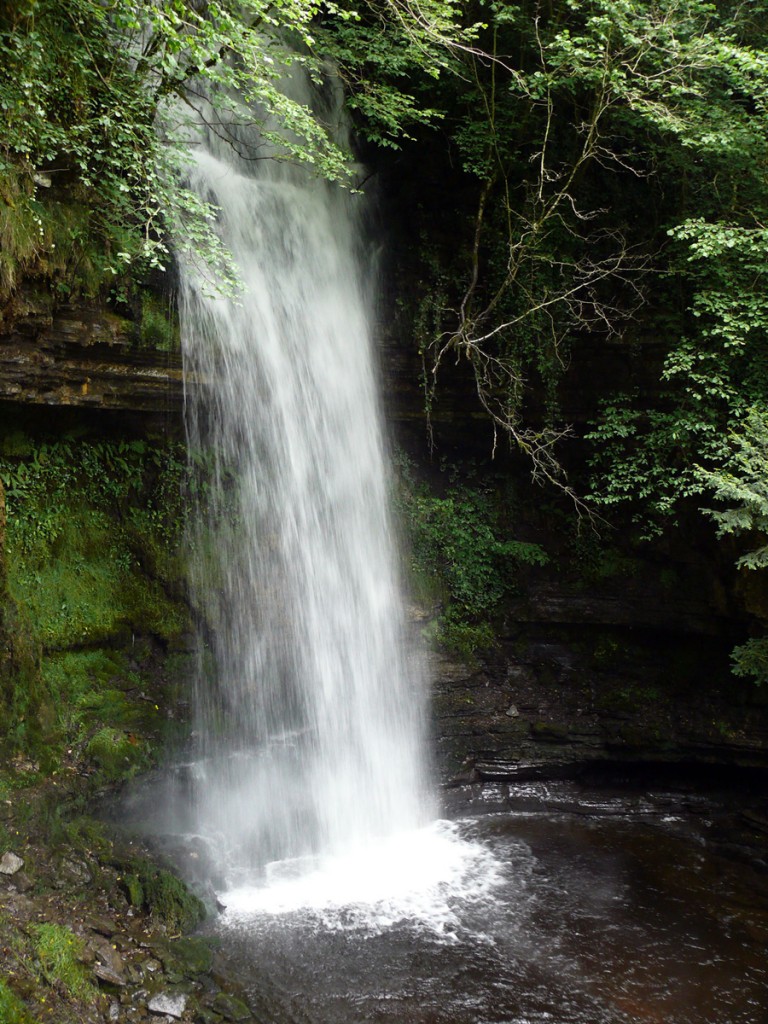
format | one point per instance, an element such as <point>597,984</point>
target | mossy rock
<point>230,1007</point>
<point>162,894</point>
<point>188,956</point>
<point>27,712</point>
<point>170,900</point>
<point>205,1015</point>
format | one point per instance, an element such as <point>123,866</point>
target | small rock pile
<point>139,974</point>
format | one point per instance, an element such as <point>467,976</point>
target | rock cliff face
<point>556,697</point>
<point>82,356</point>
<point>630,668</point>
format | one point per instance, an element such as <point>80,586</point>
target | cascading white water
<point>311,714</point>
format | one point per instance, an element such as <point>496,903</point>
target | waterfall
<point>309,700</point>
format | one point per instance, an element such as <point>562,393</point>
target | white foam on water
<point>423,878</point>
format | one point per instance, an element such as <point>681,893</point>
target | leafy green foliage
<point>101,105</point>
<point>750,660</point>
<point>159,327</point>
<point>649,457</point>
<point>568,120</point>
<point>462,557</point>
<point>740,486</point>
<point>84,86</point>
<point>383,52</point>
<point>646,459</point>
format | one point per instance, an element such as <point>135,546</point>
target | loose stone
<point>10,863</point>
<point>172,1005</point>
<point>106,973</point>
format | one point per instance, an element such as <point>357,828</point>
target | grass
<point>58,952</point>
<point>12,1010</point>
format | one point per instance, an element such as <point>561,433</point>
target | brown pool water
<point>596,910</point>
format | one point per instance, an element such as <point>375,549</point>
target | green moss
<point>90,689</point>
<point>27,713</point>
<point>58,952</point>
<point>85,586</point>
<point>77,574</point>
<point>189,956</point>
<point>82,683</point>
<point>117,753</point>
<point>16,445</point>
<point>134,890</point>
<point>94,530</point>
<point>12,1010</point>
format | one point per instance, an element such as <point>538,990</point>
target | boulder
<point>10,863</point>
<point>170,1004</point>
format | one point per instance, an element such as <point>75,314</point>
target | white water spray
<point>311,709</point>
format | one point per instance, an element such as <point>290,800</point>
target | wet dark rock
<point>551,732</point>
<point>756,820</point>
<point>102,925</point>
<point>106,974</point>
<point>82,356</point>
<point>593,696</point>
<point>73,871</point>
<point>109,966</point>
<point>22,882</point>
